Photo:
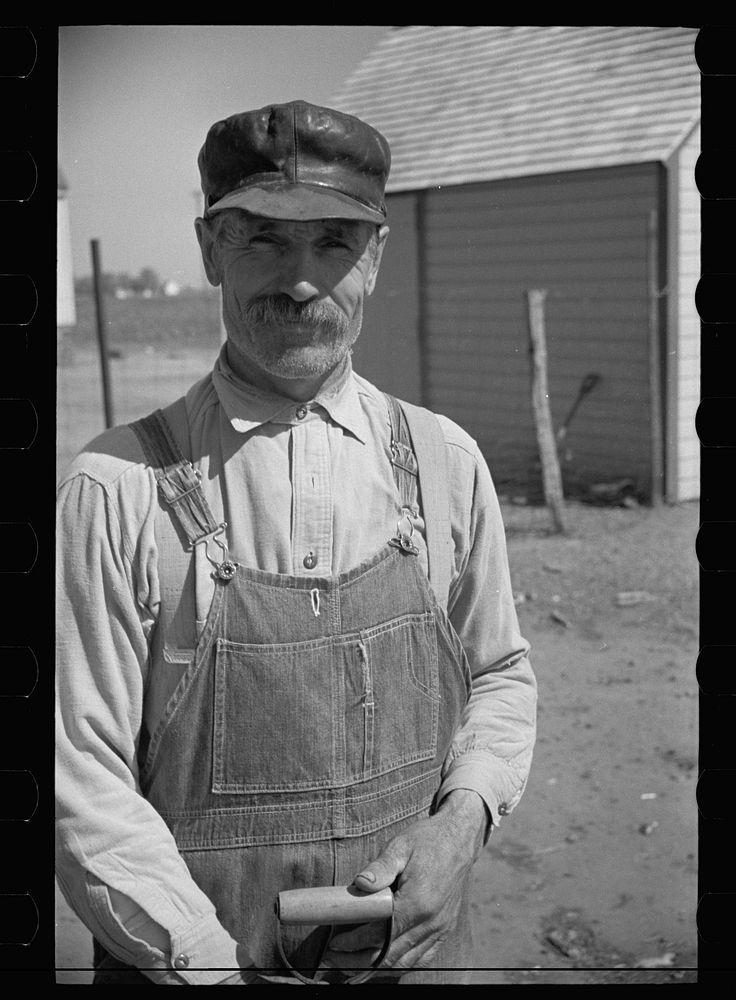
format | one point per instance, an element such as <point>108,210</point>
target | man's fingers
<point>383,872</point>
<point>411,951</point>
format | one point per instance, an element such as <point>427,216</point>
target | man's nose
<point>298,277</point>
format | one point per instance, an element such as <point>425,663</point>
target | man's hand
<point>429,862</point>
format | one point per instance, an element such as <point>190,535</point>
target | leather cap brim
<point>282,200</point>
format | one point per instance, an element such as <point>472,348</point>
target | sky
<point>135,104</point>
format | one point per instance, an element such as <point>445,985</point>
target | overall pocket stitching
<point>429,633</point>
<point>303,645</point>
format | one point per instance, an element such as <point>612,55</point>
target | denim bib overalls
<point>311,726</point>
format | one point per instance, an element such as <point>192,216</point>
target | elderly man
<point>288,651</point>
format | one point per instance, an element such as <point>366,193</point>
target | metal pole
<point>101,332</point>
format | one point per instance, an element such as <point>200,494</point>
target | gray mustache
<point>278,309</point>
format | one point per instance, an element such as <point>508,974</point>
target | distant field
<point>158,348</point>
<point>176,321</point>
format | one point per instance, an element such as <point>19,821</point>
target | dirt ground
<point>596,868</point>
<point>593,878</point>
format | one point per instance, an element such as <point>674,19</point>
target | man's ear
<point>371,281</point>
<point>203,228</point>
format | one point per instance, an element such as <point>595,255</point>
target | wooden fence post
<point>551,476</point>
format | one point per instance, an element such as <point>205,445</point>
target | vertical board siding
<point>387,351</point>
<point>486,245</point>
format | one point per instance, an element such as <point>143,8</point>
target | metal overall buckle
<point>226,569</point>
<point>405,532</point>
<point>333,905</point>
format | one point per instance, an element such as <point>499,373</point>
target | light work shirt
<point>306,489</point>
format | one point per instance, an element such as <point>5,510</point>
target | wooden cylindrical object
<point>333,904</point>
<point>551,475</point>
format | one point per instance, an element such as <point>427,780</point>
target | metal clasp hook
<point>405,532</point>
<point>227,568</point>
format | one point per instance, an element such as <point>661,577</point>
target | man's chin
<point>303,362</point>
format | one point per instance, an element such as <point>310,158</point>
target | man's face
<point>292,291</point>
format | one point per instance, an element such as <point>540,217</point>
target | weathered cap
<point>295,161</point>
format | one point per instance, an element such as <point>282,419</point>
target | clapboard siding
<point>690,448</point>
<point>588,248</point>
<point>690,355</point>
<point>691,486</point>
<point>689,261</point>
<point>683,352</point>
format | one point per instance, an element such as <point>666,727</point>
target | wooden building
<point>66,312</point>
<point>545,157</point>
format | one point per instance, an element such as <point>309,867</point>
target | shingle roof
<point>482,102</point>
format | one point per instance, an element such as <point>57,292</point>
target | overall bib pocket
<point>325,713</point>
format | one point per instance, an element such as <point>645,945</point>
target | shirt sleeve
<point>492,750</point>
<point>117,863</point>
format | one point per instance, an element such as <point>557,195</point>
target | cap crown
<point>284,146</point>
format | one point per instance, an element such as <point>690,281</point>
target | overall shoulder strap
<point>428,445</point>
<point>178,481</point>
<point>185,517</point>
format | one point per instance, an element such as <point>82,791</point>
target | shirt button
<point>301,412</point>
<point>181,962</point>
<point>503,809</point>
<point>310,560</point>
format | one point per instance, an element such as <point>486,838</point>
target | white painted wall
<point>66,313</point>
<point>683,324</point>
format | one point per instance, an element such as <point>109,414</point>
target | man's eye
<point>263,241</point>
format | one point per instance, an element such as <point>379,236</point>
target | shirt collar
<point>248,406</point>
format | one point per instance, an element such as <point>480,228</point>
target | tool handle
<point>333,904</point>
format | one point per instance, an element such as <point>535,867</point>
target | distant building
<point>66,313</point>
<point>542,157</point>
